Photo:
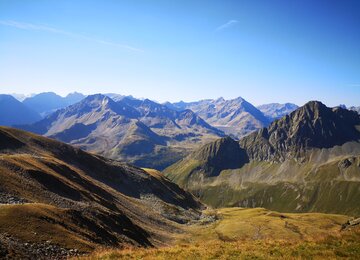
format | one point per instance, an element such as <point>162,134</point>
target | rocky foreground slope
<point>56,200</point>
<point>304,162</point>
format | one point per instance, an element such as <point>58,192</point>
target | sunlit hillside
<point>255,234</point>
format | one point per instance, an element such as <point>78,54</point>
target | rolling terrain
<point>257,233</point>
<point>142,132</point>
<point>308,161</point>
<point>57,200</point>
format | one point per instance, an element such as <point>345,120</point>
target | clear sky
<point>265,51</point>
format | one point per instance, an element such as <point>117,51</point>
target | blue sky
<point>265,51</point>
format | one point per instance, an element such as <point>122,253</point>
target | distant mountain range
<point>59,201</point>
<point>13,112</point>
<point>357,109</point>
<point>308,160</point>
<point>142,132</point>
<point>236,117</point>
<point>48,102</point>
<point>275,110</point>
<point>353,108</point>
<point>138,131</point>
<point>21,97</point>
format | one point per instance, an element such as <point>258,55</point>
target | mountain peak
<point>315,106</point>
<point>239,99</point>
<point>314,103</point>
<point>6,97</point>
<point>49,93</point>
<point>105,103</point>
<point>149,103</point>
<point>75,93</point>
<point>313,125</point>
<point>97,97</point>
<point>312,110</point>
<point>95,100</point>
<point>75,96</point>
<point>219,100</point>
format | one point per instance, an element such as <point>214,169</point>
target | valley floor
<point>258,233</point>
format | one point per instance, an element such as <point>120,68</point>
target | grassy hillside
<point>262,224</point>
<point>40,223</point>
<point>327,181</point>
<point>256,234</point>
<point>55,199</point>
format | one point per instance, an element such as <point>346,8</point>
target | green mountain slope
<point>306,161</point>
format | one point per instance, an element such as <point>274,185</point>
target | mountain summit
<point>311,126</point>
<point>306,161</point>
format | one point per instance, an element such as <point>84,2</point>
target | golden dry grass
<point>327,249</point>
<point>37,223</point>
<point>255,234</point>
<point>258,223</point>
<point>155,173</point>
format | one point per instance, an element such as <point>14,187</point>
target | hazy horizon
<point>175,101</point>
<point>264,52</point>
